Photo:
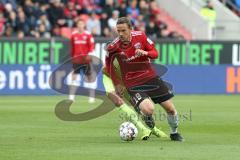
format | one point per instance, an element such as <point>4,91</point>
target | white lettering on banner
<point>29,78</point>
<point>16,76</point>
<point>30,73</point>
<point>236,54</point>
<point>44,75</point>
<point>2,80</point>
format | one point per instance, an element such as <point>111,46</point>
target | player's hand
<point>118,101</point>
<point>140,52</point>
<point>120,90</point>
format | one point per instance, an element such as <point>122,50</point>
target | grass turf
<point>29,130</point>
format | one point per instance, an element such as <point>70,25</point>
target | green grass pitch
<point>29,130</point>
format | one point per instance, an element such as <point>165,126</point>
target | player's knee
<point>172,111</point>
<point>147,107</point>
<point>169,107</point>
<point>118,104</point>
<point>115,99</point>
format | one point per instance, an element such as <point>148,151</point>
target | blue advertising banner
<point>197,79</point>
<point>214,79</point>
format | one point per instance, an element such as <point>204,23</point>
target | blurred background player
<point>139,49</point>
<point>82,43</point>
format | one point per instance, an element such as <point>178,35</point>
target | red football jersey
<point>133,71</point>
<point>82,44</point>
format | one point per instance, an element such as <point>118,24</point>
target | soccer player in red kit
<point>132,52</point>
<point>82,43</point>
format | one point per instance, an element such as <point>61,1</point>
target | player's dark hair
<point>123,20</point>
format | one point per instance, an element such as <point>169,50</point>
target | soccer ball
<point>128,131</point>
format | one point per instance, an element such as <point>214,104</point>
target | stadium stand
<point>56,18</point>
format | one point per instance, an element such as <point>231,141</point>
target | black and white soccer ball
<point>128,131</point>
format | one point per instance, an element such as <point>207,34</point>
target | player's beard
<point>124,40</point>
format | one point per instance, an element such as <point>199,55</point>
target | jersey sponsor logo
<point>80,42</point>
<point>137,45</point>
<point>84,37</point>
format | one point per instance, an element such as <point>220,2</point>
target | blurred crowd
<point>46,18</point>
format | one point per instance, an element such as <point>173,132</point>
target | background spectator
<point>11,2</point>
<point>139,23</point>
<point>113,20</point>
<point>12,21</point>
<point>29,11</point>
<point>23,24</point>
<point>104,22</point>
<point>133,10</point>
<point>9,31</point>
<point>209,13</point>
<point>44,21</point>
<point>47,18</point>
<point>122,9</point>
<point>2,21</point>
<point>144,10</point>
<point>93,24</point>
<point>70,13</point>
<point>42,32</point>
<point>56,13</point>
<point>109,7</point>
<point>152,29</point>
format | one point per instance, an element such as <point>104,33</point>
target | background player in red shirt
<point>131,52</point>
<point>82,43</point>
